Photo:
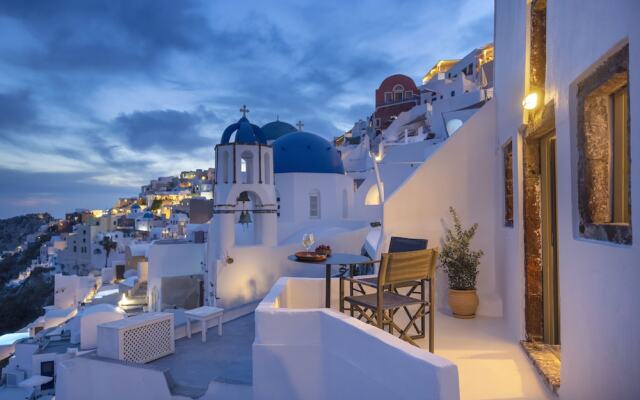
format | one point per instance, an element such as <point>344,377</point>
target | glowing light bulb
<point>530,102</point>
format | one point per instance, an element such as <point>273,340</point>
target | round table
<point>333,259</point>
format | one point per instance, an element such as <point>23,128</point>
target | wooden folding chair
<point>413,288</point>
<point>379,308</point>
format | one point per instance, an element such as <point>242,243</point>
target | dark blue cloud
<point>171,129</point>
<point>109,35</point>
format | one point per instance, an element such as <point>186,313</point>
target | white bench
<point>204,314</point>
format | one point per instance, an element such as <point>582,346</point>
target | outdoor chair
<point>403,269</point>
<point>411,288</point>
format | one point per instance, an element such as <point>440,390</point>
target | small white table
<point>204,314</point>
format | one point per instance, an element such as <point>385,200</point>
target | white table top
<point>204,311</point>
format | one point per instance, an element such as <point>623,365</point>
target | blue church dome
<point>305,152</point>
<point>246,133</point>
<point>273,130</point>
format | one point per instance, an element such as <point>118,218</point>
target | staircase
<point>136,299</point>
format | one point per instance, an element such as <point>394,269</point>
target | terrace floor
<point>491,365</point>
<point>223,361</point>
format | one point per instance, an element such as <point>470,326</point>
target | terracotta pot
<point>463,303</point>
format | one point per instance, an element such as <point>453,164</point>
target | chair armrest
<point>368,262</point>
<point>360,281</point>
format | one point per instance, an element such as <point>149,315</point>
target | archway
<point>246,167</point>
<point>373,196</point>
<point>248,222</point>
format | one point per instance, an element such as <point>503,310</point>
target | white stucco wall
<point>168,259</point>
<point>510,49</point>
<point>294,190</point>
<point>303,351</point>
<point>599,325</point>
<point>460,174</point>
<point>599,298</point>
<point>256,268</point>
<point>86,378</point>
<point>70,290</point>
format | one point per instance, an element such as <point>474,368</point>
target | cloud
<point>101,96</point>
<point>117,35</point>
<point>54,192</point>
<point>168,129</point>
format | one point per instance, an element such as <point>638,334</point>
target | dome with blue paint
<point>305,152</point>
<point>147,215</point>
<point>274,130</point>
<point>245,133</point>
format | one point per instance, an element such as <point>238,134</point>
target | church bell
<point>245,218</point>
<point>244,197</point>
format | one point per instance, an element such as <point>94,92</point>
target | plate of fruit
<point>324,249</point>
<point>311,256</point>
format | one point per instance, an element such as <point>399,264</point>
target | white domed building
<point>313,190</point>
<point>272,187</point>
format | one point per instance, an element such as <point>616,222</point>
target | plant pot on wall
<point>463,303</point>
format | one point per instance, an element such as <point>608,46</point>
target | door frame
<point>549,231</point>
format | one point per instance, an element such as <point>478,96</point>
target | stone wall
<point>594,144</point>
<point>532,242</point>
<point>532,211</point>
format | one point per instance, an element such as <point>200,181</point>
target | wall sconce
<point>530,102</point>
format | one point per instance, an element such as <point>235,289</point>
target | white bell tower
<point>245,207</point>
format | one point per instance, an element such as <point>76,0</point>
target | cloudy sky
<point>97,98</point>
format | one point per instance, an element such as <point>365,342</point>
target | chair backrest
<point>407,266</point>
<point>402,244</point>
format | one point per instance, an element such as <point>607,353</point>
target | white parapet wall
<point>461,174</point>
<point>302,351</point>
<point>96,379</point>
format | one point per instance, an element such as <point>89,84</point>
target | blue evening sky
<point>99,97</point>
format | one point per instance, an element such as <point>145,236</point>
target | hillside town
<point>470,238</point>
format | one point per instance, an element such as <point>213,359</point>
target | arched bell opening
<point>247,169</point>
<point>248,220</point>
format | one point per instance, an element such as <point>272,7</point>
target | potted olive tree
<point>461,265</point>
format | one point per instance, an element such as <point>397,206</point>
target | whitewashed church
<point>270,190</point>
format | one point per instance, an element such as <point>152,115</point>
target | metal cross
<point>300,125</point>
<point>244,110</point>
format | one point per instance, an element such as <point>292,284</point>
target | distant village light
<point>530,102</point>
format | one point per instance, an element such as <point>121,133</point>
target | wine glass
<point>308,240</point>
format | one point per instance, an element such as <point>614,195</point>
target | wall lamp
<point>530,102</point>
